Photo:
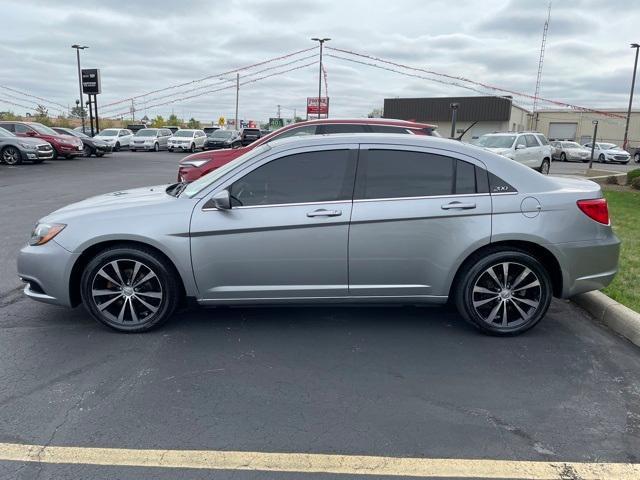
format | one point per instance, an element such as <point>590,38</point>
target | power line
<point>33,96</point>
<point>218,89</point>
<point>9,102</point>
<point>473,82</point>
<point>247,67</point>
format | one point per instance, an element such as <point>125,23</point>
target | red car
<point>195,166</point>
<point>63,145</point>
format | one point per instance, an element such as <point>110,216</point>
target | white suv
<point>186,139</point>
<point>529,148</point>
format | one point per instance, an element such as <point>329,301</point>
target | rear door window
<point>21,128</point>
<point>296,132</point>
<point>531,141</point>
<point>342,128</point>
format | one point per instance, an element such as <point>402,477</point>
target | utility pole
<point>78,48</point>
<point>321,41</point>
<point>133,111</point>
<point>633,82</point>
<point>278,111</point>
<point>237,95</point>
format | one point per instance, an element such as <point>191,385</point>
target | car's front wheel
<point>130,289</point>
<point>156,147</point>
<point>504,292</point>
<point>86,151</point>
<point>563,157</point>
<point>11,156</point>
<point>601,158</point>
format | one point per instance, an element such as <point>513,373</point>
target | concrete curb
<point>614,315</point>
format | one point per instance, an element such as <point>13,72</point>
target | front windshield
<point>109,133</point>
<point>221,134</point>
<point>5,133</point>
<point>570,145</point>
<point>496,141</point>
<point>43,129</point>
<point>147,132</point>
<point>183,133</point>
<point>203,182</point>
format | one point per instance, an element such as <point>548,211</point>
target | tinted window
<point>295,132</point>
<point>387,129</point>
<point>398,173</point>
<point>531,141</point>
<point>305,177</point>
<point>465,178</point>
<point>21,128</point>
<point>343,128</point>
<point>9,126</point>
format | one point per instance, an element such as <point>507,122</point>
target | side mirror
<point>520,147</point>
<point>220,200</point>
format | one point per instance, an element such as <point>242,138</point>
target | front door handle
<point>458,206</point>
<point>324,213</point>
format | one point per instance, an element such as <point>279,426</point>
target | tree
<point>193,123</point>
<point>42,114</point>
<point>376,113</point>
<point>78,112</point>
<point>158,122</point>
<point>174,120</point>
<point>8,116</point>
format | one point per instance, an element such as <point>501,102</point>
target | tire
<point>192,149</point>
<point>545,166</point>
<point>132,150</point>
<point>99,154</point>
<point>116,147</point>
<point>130,309</point>
<point>11,155</point>
<point>156,147</point>
<point>601,158</point>
<point>636,158</point>
<point>563,157</point>
<point>481,299</point>
<point>86,151</point>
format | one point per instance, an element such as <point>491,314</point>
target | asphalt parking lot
<point>387,382</point>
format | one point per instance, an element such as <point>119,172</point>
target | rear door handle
<point>458,206</point>
<point>324,213</point>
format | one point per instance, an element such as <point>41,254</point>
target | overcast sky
<point>142,46</point>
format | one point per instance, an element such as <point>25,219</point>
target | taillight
<point>595,209</point>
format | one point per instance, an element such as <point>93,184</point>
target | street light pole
<point>321,42</point>
<point>78,48</point>
<point>633,82</point>
<point>593,141</point>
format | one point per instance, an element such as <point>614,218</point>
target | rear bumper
<point>589,265</point>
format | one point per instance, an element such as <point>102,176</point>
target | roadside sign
<point>275,123</point>
<point>221,121</point>
<point>312,106</point>
<point>91,81</point>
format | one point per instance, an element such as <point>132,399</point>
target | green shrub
<point>632,174</point>
<point>635,183</point>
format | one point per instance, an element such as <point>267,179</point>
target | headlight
<point>28,146</point>
<point>195,163</point>
<point>43,232</point>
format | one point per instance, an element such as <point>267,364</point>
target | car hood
<point>617,151</point>
<point>577,150</point>
<point>499,151</point>
<point>105,139</point>
<point>30,141</point>
<point>122,199</point>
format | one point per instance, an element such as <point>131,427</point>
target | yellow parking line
<point>318,463</point>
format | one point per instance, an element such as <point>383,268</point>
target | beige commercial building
<point>578,126</point>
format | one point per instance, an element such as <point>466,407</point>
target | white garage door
<point>562,131</point>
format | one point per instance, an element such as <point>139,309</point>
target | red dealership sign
<point>312,106</point>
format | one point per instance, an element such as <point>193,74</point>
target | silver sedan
<point>339,218</point>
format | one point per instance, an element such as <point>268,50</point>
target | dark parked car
<point>223,139</point>
<point>86,131</point>
<point>194,166</point>
<point>14,150</point>
<point>92,146</point>
<point>134,127</point>
<point>250,135</point>
<point>66,146</point>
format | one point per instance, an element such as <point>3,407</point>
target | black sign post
<point>91,86</point>
<point>90,116</point>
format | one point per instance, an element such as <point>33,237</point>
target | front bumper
<point>179,146</point>
<point>70,151</point>
<point>47,269</point>
<point>30,155</point>
<point>588,265</point>
<point>620,159</point>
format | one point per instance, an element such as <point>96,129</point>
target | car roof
<point>364,121</point>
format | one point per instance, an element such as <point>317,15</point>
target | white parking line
<point>318,463</point>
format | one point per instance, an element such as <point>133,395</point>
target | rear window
<point>251,131</point>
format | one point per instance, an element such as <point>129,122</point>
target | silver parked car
<point>14,150</point>
<point>150,139</point>
<point>570,151</point>
<point>341,218</point>
<point>609,152</point>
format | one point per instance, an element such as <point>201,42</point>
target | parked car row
<point>62,145</point>
<point>602,152</point>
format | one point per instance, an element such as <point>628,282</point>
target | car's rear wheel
<point>505,292</point>
<point>130,289</point>
<point>11,156</point>
<point>563,157</point>
<point>192,149</point>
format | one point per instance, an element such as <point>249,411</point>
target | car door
<point>286,234</point>
<point>417,213</point>
<point>521,151</point>
<point>535,153</point>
